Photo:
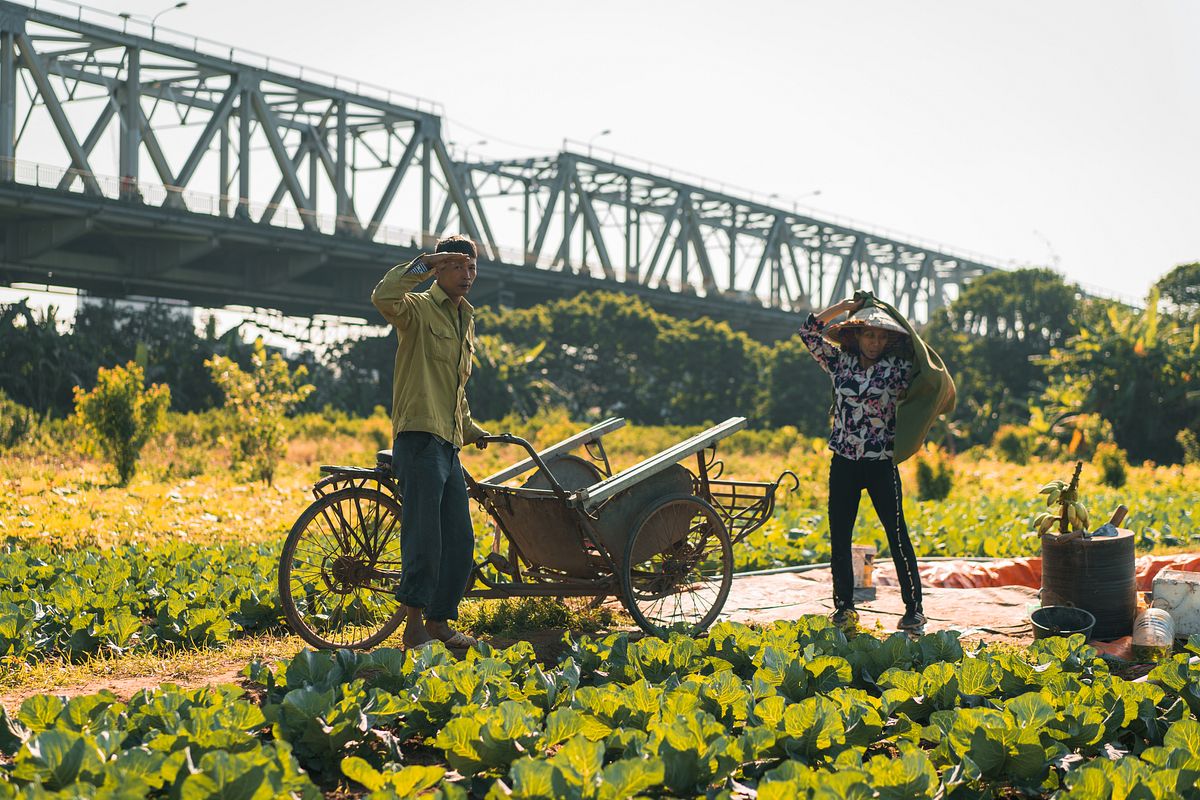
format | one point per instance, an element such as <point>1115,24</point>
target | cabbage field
<point>791,710</point>
<point>98,581</point>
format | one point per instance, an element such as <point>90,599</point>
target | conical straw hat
<point>845,332</point>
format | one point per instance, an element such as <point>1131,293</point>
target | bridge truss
<point>138,161</point>
<point>603,218</point>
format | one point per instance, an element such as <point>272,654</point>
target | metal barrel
<point>1096,575</point>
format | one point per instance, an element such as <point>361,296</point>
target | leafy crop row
<point>132,598</point>
<point>164,742</point>
<point>794,710</point>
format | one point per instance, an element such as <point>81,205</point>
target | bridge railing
<point>48,176</point>
<point>244,56</point>
<point>156,195</point>
<point>781,203</point>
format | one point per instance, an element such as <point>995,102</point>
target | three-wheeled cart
<point>657,535</point>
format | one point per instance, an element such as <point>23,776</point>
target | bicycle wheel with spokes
<point>678,566</point>
<point>338,570</point>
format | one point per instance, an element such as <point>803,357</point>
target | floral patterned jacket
<point>864,405</point>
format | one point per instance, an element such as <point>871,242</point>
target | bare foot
<point>415,633</point>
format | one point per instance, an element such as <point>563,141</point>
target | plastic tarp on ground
<point>1022,571</point>
<point>1027,572</point>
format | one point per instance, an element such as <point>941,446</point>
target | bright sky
<point>1058,134</point>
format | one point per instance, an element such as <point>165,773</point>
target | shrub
<point>1191,445</point>
<point>1015,443</point>
<point>17,423</point>
<point>120,415</point>
<point>935,473</point>
<point>1113,464</point>
<point>259,402</point>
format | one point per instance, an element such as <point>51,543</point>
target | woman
<point>871,368</point>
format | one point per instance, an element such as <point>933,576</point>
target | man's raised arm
<point>393,295</point>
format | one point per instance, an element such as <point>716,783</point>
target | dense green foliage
<point>935,474</point>
<point>16,422</point>
<point>1026,350</point>
<point>1180,288</point>
<point>165,742</point>
<point>132,598</point>
<point>40,363</point>
<point>988,337</point>
<point>1136,369</point>
<point>1113,463</point>
<point>793,710</point>
<point>613,354</point>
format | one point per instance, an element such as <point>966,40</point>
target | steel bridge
<point>140,161</point>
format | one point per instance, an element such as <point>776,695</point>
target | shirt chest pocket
<point>443,344</point>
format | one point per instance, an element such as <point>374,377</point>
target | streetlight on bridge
<point>466,148</point>
<point>125,15</point>
<point>604,132</point>
<point>795,200</point>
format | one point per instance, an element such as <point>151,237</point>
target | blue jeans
<point>437,542</point>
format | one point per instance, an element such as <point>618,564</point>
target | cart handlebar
<point>508,438</point>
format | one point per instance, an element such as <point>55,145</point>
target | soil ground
<point>994,614</point>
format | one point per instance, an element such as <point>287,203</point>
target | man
<point>431,422</point>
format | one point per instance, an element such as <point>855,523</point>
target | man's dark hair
<point>457,244</point>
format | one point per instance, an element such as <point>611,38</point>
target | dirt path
<point>995,614</point>
<point>125,687</point>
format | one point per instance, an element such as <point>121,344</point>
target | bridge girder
<point>578,210</point>
<point>211,151</point>
<point>89,82</point>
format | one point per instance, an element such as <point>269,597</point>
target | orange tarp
<point>1022,571</point>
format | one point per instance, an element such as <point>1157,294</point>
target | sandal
<point>460,641</point>
<point>425,645</point>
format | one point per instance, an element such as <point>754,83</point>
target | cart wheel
<point>330,584</point>
<point>678,566</point>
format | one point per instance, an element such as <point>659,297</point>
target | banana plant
<point>1070,514</point>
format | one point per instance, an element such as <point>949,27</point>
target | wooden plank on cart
<point>596,494</point>
<point>592,434</point>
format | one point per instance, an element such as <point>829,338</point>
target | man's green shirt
<point>433,357</point>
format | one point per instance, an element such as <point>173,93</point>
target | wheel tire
<point>674,579</point>
<point>324,602</point>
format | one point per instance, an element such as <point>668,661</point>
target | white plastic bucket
<point>862,556</point>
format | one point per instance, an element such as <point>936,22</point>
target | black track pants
<point>881,479</point>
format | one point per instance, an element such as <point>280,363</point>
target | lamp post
<point>466,148</point>
<point>604,132</point>
<point>795,200</point>
<point>125,15</point>
<point>154,19</point>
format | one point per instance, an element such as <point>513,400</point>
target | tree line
<point>1035,362</point>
